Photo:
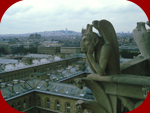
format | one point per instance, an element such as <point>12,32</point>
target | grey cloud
<point>123,18</point>
<point>19,9</point>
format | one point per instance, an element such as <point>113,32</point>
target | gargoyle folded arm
<point>103,60</point>
<point>90,65</point>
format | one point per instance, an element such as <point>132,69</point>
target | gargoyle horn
<point>83,31</point>
<point>89,30</point>
<point>87,27</point>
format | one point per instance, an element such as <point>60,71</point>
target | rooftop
<point>37,56</point>
<point>7,61</point>
<point>20,88</point>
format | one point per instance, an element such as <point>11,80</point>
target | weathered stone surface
<point>105,48</point>
<point>114,91</point>
<point>137,66</point>
<point>92,105</point>
<point>142,38</point>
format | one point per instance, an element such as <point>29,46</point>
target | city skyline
<point>46,15</point>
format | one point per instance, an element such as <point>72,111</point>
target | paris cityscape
<point>43,68</point>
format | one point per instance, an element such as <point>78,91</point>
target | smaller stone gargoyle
<point>142,38</point>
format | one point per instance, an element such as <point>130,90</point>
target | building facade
<point>42,96</point>
<point>48,50</point>
<point>70,50</point>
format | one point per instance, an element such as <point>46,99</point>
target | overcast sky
<point>30,16</point>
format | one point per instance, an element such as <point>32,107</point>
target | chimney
<point>15,81</point>
<point>19,61</point>
<point>54,72</point>
<point>39,59</point>
<point>59,72</point>
<point>68,69</point>
<point>10,87</point>
<point>62,68</point>
<point>47,82</point>
<point>53,57</point>
<point>77,67</point>
<point>47,59</point>
<point>24,63</point>
<point>48,75</point>
<point>3,85</point>
<point>13,64</point>
<point>3,66</point>
<point>22,83</point>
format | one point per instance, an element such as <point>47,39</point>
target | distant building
<point>35,36</point>
<point>7,42</point>
<point>53,43</point>
<point>37,56</point>
<point>7,48</point>
<point>70,50</point>
<point>48,50</point>
<point>16,69</point>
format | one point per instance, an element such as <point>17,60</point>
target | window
<point>67,108</point>
<point>4,79</point>
<point>57,105</point>
<point>47,103</point>
<point>19,106</point>
<point>24,104</point>
<point>29,101</point>
<point>34,70</point>
<point>39,101</point>
<point>11,77</point>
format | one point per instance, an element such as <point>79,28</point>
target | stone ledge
<point>121,78</point>
<point>137,66</point>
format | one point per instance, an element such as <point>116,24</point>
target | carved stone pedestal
<point>113,94</point>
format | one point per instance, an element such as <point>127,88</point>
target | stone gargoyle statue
<point>102,51</point>
<point>106,83</point>
<point>142,38</point>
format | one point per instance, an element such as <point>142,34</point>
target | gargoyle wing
<point>107,32</point>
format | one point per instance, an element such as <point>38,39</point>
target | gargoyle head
<point>140,25</point>
<point>89,39</point>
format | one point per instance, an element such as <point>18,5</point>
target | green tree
<point>2,50</point>
<point>126,54</point>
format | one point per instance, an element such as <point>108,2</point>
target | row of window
<point>13,77</point>
<point>57,105</point>
<point>16,75</point>
<point>19,105</point>
<point>26,72</point>
<point>28,103</point>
